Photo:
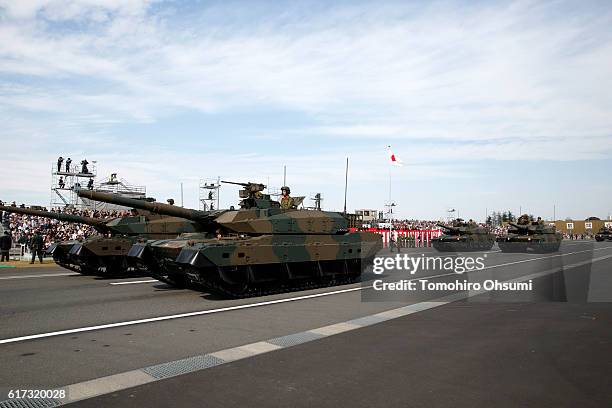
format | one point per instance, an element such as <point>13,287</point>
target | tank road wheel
<point>177,280</point>
<point>353,267</point>
<point>88,270</point>
<point>116,267</point>
<point>235,279</point>
<point>353,270</point>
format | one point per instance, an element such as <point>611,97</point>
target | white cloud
<point>475,74</point>
<point>97,10</point>
<point>445,82</point>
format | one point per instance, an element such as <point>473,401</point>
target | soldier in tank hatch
<point>286,202</point>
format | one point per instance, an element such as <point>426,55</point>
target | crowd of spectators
<point>415,225</point>
<point>499,230</point>
<point>23,227</point>
<point>424,225</point>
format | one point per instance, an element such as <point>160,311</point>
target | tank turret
<point>450,229</point>
<point>257,214</point>
<point>520,227</point>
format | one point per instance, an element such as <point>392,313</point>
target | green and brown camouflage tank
<point>530,236</point>
<point>260,248</point>
<point>464,236</point>
<point>604,234</point>
<point>106,253</point>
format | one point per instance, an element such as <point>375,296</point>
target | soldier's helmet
<point>287,189</point>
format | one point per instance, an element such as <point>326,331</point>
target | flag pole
<point>345,183</point>
<point>389,184</point>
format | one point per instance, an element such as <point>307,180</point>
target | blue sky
<point>491,105</point>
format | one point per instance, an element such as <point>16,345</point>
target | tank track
<point>250,290</point>
<point>462,246</point>
<point>300,285</point>
<point>96,271</point>
<point>520,247</point>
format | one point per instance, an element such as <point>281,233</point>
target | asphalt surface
<point>47,304</point>
<point>459,355</point>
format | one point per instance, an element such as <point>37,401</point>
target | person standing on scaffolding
<point>60,160</point>
<point>68,161</point>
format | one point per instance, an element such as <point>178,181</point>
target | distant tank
<point>604,234</point>
<point>107,253</point>
<point>259,248</point>
<point>530,236</point>
<point>463,236</point>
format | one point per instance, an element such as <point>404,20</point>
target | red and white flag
<point>393,159</point>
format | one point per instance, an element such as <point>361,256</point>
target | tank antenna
<point>345,183</point>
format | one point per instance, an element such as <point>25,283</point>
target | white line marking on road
<point>245,306</point>
<point>544,257</point>
<point>39,276</point>
<point>176,316</point>
<point>132,282</point>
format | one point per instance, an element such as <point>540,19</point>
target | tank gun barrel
<point>519,226</point>
<point>154,207</point>
<point>236,183</point>
<point>97,223</point>
<point>447,227</point>
<point>250,187</point>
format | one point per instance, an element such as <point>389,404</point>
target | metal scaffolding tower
<point>115,185</point>
<point>209,193</point>
<point>66,176</point>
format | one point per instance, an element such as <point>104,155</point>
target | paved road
<point>48,304</point>
<point>459,355</point>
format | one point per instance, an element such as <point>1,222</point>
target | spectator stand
<point>415,238</point>
<point>23,226</point>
